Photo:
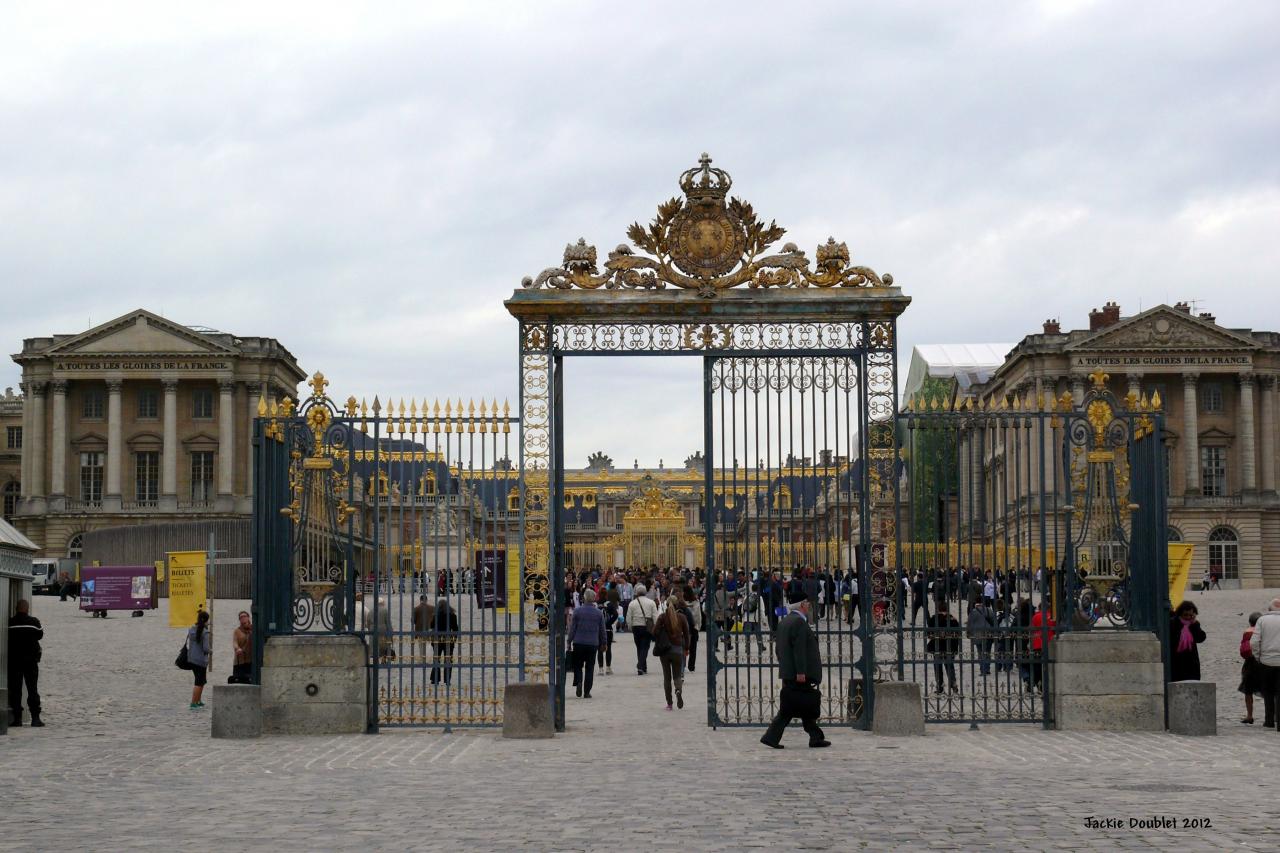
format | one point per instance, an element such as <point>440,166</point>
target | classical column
<point>169,455</point>
<point>1248,450</point>
<point>1135,384</point>
<point>226,436</point>
<point>255,394</point>
<point>1268,433</point>
<point>115,439</point>
<point>1077,391</point>
<point>58,486</point>
<point>1191,432</point>
<point>37,390</point>
<point>25,459</point>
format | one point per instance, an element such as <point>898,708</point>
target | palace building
<point>1218,390</point>
<point>140,420</point>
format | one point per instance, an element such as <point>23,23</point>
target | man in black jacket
<point>800,666</point>
<point>25,635</point>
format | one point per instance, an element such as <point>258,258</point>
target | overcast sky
<point>369,186</point>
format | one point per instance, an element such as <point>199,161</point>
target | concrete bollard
<point>1193,708</point>
<point>237,711</point>
<point>526,711</point>
<point>898,709</point>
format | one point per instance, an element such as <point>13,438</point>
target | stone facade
<point>11,421</point>
<point>1220,392</point>
<point>137,421</point>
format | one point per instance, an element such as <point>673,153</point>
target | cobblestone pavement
<point>124,765</point>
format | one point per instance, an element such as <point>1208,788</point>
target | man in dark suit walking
<point>800,666</point>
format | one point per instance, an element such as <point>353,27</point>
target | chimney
<point>1183,307</point>
<point>1107,315</point>
<point>1052,327</point>
<point>1205,315</point>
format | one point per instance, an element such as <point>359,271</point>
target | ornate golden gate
<point>701,281</point>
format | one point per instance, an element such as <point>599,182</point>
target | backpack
<point>1246,651</point>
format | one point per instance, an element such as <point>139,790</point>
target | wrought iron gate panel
<point>781,506</point>
<point>364,513</point>
<point>1031,506</point>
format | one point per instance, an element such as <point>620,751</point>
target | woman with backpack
<point>670,645</point>
<point>199,647</point>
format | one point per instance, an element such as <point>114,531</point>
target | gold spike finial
<point>1155,401</point>
<point>262,407</point>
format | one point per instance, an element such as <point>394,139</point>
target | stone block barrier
<point>237,711</point>
<point>526,711</point>
<point>899,711</point>
<point>1193,708</point>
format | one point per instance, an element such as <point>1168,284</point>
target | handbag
<point>649,622</point>
<point>182,661</point>
<point>661,644</point>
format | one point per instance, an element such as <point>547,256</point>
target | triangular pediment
<point>1164,329</point>
<point>140,332</point>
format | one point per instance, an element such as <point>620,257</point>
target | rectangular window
<point>202,475</point>
<point>148,403</point>
<point>1213,471</point>
<point>13,438</point>
<point>92,404</point>
<point>147,477</point>
<point>1211,395</point>
<point>202,404</point>
<point>91,477</point>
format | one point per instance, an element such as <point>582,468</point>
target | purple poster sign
<point>117,587</point>
<point>491,578</point>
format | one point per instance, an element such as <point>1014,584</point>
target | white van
<point>44,576</point>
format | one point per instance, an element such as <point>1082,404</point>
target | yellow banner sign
<point>515,594</point>
<point>186,587</point>
<point>1179,570</point>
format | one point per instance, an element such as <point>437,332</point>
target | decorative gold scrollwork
<point>706,242</point>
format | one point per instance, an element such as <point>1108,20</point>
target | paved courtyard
<point>123,764</point>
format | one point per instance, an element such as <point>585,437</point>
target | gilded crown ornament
<point>707,242</point>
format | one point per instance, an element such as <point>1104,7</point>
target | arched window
<point>75,546</point>
<point>11,490</point>
<point>1224,553</point>
<point>513,499</point>
<point>1173,534</point>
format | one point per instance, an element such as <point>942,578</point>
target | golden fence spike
<point>377,406</point>
<point>275,409</point>
<point>1155,401</point>
<point>262,407</point>
<point>484,424</point>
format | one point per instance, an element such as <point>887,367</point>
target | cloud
<point>369,186</point>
